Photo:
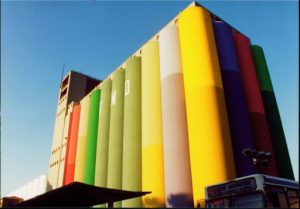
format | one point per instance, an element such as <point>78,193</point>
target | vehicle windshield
<point>220,203</point>
<point>252,200</point>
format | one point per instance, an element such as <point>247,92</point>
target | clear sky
<point>38,37</point>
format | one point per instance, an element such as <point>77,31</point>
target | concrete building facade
<point>72,89</point>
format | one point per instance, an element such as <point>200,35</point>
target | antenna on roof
<point>62,73</point>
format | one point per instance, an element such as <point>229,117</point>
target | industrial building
<point>33,188</point>
<point>176,116</point>
<point>73,88</point>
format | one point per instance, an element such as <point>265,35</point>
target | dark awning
<point>78,194</point>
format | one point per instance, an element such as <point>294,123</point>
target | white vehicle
<point>254,191</point>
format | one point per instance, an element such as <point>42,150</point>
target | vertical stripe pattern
<point>91,141</point>
<point>280,148</point>
<point>240,129</point>
<point>81,144</point>
<point>132,135</point>
<point>178,182</point>
<point>209,136</point>
<point>103,134</point>
<point>152,142</point>
<point>115,153</point>
<point>255,107</point>
<point>72,146</point>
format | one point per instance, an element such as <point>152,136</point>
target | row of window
<point>63,93</point>
<point>56,162</point>
<point>58,148</point>
<point>62,99</point>
<point>60,112</point>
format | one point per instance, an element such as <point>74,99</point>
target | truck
<point>253,191</point>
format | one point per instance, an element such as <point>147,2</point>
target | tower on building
<point>72,89</point>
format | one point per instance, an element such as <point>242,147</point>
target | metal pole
<point>110,204</point>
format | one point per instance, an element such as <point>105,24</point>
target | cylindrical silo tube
<point>132,132</point>
<point>240,129</point>
<point>152,142</point>
<point>115,152</point>
<point>255,106</point>
<point>177,170</point>
<point>103,134</point>
<point>71,149</point>
<point>209,136</point>
<point>280,148</point>
<point>81,144</point>
<point>91,138</point>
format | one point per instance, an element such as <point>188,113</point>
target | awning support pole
<point>110,204</point>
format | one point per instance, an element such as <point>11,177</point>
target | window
<point>293,198</point>
<point>283,202</point>
<point>252,200</point>
<point>277,196</point>
<point>219,203</point>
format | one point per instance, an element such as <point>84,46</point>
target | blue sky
<point>38,37</point>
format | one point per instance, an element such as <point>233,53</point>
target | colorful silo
<point>255,106</point>
<point>91,138</point>
<point>72,146</point>
<point>81,144</point>
<point>115,149</point>
<point>132,132</point>
<point>175,117</point>
<point>177,170</point>
<point>241,134</point>
<point>280,148</point>
<point>152,142</point>
<point>209,137</point>
<point>103,134</point>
